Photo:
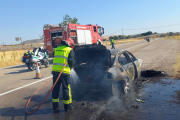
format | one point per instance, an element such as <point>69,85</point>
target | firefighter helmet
<point>69,42</point>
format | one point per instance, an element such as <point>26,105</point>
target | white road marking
<point>24,86</point>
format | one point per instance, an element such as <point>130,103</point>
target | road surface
<point>17,85</point>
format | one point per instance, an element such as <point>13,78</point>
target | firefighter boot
<point>55,106</point>
<point>68,107</point>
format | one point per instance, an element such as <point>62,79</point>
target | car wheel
<point>120,87</point>
<point>126,86</point>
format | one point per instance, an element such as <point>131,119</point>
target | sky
<point>26,18</point>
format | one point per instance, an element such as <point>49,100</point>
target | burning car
<point>100,69</point>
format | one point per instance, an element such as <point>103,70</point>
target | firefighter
<point>62,54</point>
<point>112,42</point>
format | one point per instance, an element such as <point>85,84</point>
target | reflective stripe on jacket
<point>60,58</point>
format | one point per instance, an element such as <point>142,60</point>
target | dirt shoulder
<point>177,67</point>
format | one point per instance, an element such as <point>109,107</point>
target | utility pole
<point>122,34</point>
<point>21,42</point>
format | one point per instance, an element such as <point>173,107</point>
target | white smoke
<point>112,105</point>
<point>74,77</point>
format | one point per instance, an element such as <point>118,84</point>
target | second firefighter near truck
<point>62,54</point>
<point>112,42</point>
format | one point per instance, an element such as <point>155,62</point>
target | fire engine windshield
<point>99,31</point>
<point>57,34</point>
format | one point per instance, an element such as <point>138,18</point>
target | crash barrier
<point>47,94</point>
<point>17,47</point>
<point>121,41</point>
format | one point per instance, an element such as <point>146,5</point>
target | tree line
<point>132,36</point>
<point>121,37</point>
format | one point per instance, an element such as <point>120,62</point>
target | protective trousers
<point>66,90</point>
<point>112,45</point>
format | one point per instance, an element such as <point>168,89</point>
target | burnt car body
<point>100,69</point>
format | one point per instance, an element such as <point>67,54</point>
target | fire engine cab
<point>81,34</point>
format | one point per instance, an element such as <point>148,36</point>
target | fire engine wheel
<point>47,63</point>
<point>31,66</point>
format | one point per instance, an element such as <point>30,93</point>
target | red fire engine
<point>81,34</point>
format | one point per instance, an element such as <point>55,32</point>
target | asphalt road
<point>17,83</point>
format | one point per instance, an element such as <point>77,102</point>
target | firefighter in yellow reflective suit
<point>112,42</point>
<point>63,54</point>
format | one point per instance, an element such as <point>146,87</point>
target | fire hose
<point>46,95</point>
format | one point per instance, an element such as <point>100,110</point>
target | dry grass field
<point>25,45</point>
<point>173,37</point>
<point>10,58</point>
